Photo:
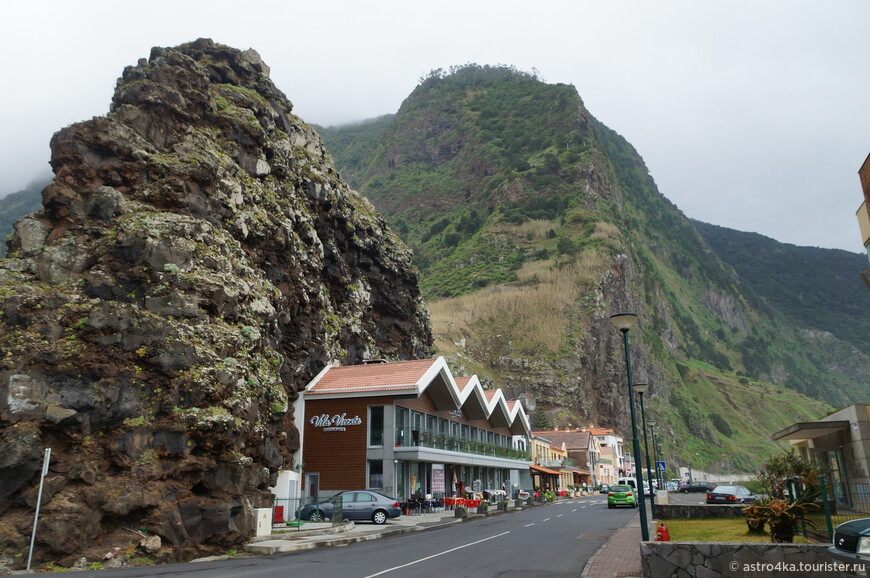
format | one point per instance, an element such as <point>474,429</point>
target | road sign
<point>661,467</point>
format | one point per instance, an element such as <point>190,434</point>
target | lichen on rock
<point>198,259</point>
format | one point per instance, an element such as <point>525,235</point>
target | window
<point>401,426</point>
<point>376,425</point>
<point>376,474</point>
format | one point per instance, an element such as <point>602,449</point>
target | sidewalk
<point>619,557</point>
<point>317,534</point>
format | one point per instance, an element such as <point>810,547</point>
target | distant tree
<point>539,421</point>
<point>565,246</point>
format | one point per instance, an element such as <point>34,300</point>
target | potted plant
<point>502,505</point>
<point>781,516</point>
<point>460,512</point>
<point>481,508</point>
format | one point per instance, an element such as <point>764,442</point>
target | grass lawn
<point>717,530</point>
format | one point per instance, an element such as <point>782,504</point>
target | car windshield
<point>619,489</point>
<point>726,489</point>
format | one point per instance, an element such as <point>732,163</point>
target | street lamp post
<point>640,389</point>
<point>624,322</point>
<point>652,431</point>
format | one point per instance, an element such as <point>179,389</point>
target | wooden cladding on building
<point>335,446</point>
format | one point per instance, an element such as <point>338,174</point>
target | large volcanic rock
<point>197,261</point>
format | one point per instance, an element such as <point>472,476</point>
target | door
<point>349,506</point>
<point>312,487</point>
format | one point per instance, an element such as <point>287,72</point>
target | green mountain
<point>16,205</point>
<point>818,288</point>
<point>532,222</point>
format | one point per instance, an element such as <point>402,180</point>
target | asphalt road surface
<point>552,540</point>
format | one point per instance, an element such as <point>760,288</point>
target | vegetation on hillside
<point>517,203</point>
<point>16,205</point>
<point>821,288</point>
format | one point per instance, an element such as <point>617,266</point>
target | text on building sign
<point>334,422</point>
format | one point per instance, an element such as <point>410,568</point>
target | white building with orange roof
<point>408,429</point>
<point>613,459</point>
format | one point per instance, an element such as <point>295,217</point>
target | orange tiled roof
<point>373,377</point>
<point>462,382</point>
<point>600,431</point>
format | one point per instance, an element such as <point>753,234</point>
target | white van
<point>633,483</point>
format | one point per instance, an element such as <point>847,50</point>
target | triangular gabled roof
<point>471,399</point>
<point>497,406</point>
<point>416,377</point>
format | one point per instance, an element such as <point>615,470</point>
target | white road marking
<point>527,525</point>
<point>436,555</point>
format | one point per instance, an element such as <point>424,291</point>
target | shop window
<point>376,474</point>
<point>376,425</point>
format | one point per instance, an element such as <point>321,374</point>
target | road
<point>550,541</point>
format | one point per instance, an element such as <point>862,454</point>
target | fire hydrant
<point>662,534</point>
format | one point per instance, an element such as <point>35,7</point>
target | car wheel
<point>315,516</point>
<point>610,506</point>
<point>379,517</point>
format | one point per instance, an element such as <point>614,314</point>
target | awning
<point>581,472</point>
<point>543,470</point>
<point>810,430</point>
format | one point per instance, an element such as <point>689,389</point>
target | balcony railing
<point>435,439</point>
<point>563,463</point>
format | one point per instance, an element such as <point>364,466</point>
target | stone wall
<point>674,511</point>
<point>731,559</point>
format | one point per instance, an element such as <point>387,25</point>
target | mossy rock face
<point>197,261</point>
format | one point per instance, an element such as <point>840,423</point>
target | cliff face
<point>197,260</point>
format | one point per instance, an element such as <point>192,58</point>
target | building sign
<point>334,422</point>
<point>438,479</point>
<point>455,414</point>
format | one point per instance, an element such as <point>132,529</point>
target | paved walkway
<point>619,557</point>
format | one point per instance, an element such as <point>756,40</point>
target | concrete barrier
<point>731,559</point>
<point>675,511</point>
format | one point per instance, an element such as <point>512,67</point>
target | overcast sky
<point>752,114</point>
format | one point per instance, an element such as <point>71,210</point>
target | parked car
<point>696,487</point>
<point>605,488</point>
<point>851,546</point>
<point>730,495</point>
<point>355,505</point>
<point>621,495</point>
<point>647,490</point>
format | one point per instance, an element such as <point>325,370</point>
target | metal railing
<point>841,500</point>
<point>407,437</point>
